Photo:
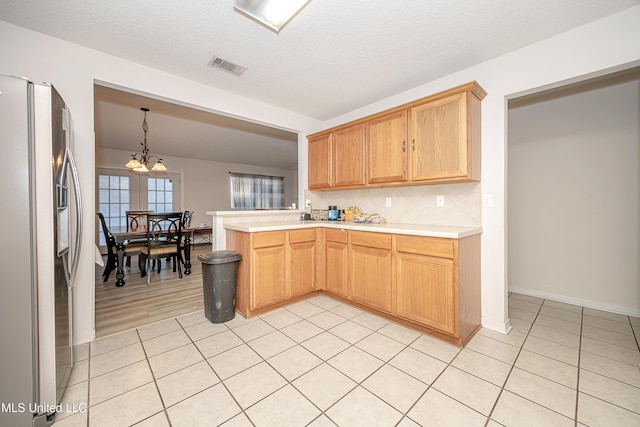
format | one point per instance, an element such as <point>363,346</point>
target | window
<point>114,199</point>
<point>160,194</point>
<point>256,191</point>
<point>118,191</point>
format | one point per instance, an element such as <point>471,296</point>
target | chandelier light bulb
<point>140,162</point>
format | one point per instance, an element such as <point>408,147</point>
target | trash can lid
<point>219,257</point>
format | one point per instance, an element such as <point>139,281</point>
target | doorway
<point>573,194</point>
<point>201,147</point>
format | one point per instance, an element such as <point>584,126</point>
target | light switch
<point>387,202</point>
<point>440,200</point>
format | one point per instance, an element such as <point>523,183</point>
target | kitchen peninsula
<point>222,218</point>
<point>425,276</point>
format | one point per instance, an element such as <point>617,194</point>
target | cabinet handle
<point>413,144</point>
<point>404,146</point>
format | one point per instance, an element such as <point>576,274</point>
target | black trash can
<point>219,271</point>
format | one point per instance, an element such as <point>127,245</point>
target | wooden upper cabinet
<point>387,148</point>
<point>348,156</point>
<point>444,144</point>
<point>431,140</point>
<point>320,162</point>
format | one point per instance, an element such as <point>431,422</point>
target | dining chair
<point>186,223</point>
<point>130,248</point>
<point>186,219</point>
<point>112,261</point>
<point>136,221</point>
<point>164,240</point>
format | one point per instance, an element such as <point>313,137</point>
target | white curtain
<point>250,192</point>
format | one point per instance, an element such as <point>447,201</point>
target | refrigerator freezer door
<point>35,304</point>
<point>54,309</point>
<point>17,324</point>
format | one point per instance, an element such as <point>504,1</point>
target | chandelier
<point>140,162</point>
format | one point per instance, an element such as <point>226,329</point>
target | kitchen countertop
<point>393,228</point>
<point>256,212</point>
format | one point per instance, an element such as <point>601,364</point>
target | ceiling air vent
<point>224,65</point>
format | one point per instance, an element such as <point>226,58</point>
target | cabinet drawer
<point>432,246</point>
<point>298,236</point>
<point>268,238</point>
<point>339,236</point>
<point>371,240</point>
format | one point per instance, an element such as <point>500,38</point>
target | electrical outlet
<point>308,203</point>
<point>440,200</point>
<point>387,202</point>
<point>487,200</point>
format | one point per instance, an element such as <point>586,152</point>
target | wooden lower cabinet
<point>276,266</point>
<point>370,279</point>
<point>303,255</point>
<point>269,276</point>
<point>426,291</point>
<point>426,282</point>
<point>438,284</point>
<point>336,262</point>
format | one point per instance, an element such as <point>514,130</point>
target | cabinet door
<point>426,291</point>
<point>439,143</point>
<point>269,276</point>
<point>320,162</point>
<point>348,156</point>
<point>336,267</point>
<point>370,277</point>
<point>303,267</point>
<point>387,148</point>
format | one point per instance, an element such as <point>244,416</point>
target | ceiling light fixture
<point>140,162</point>
<point>273,14</point>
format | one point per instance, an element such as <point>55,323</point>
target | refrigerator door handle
<point>75,256</point>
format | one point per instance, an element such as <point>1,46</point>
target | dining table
<point>124,237</point>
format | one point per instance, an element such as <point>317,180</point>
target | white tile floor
<point>323,363</point>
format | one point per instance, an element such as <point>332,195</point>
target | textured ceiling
<point>335,56</point>
<point>175,130</point>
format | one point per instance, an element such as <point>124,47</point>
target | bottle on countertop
<point>332,213</point>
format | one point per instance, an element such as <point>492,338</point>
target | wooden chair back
<point>137,220</point>
<point>186,219</point>
<point>111,248</point>
<point>164,229</point>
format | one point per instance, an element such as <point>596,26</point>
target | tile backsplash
<point>411,205</point>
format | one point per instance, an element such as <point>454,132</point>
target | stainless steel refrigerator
<point>40,239</point>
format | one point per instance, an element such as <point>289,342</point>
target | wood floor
<point>136,304</point>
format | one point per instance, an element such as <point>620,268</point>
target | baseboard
<point>596,305</point>
<point>88,336</point>
<point>502,327</point>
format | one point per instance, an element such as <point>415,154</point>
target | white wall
<point>594,48</point>
<point>205,183</point>
<point>73,70</point>
<point>574,188</point>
